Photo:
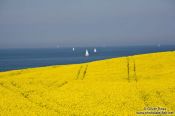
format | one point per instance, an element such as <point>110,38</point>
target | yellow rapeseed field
<point>119,86</point>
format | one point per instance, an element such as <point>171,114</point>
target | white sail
<point>87,53</point>
<point>73,49</point>
<point>158,45</point>
<point>95,50</point>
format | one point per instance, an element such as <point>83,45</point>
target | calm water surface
<point>11,59</point>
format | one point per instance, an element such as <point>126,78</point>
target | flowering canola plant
<point>117,86</point>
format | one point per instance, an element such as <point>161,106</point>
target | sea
<point>13,59</point>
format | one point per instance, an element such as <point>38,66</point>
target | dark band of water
<point>11,59</point>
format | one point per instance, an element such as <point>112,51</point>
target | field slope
<point>118,86</point>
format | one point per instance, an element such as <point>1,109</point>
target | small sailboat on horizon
<point>87,53</point>
<point>73,49</point>
<point>158,45</point>
<point>95,50</point>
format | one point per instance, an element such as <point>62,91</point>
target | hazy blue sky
<point>46,23</point>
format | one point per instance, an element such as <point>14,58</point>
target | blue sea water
<point>11,59</point>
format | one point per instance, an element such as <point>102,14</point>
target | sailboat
<point>95,50</point>
<point>73,49</point>
<point>87,53</point>
<point>158,45</point>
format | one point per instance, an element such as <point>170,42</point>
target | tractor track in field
<point>81,74</point>
<point>26,95</point>
<point>79,71</point>
<point>131,68</point>
<point>85,72</point>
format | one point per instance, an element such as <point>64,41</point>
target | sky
<point>48,23</point>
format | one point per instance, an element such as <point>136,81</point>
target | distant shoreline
<point>68,47</point>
